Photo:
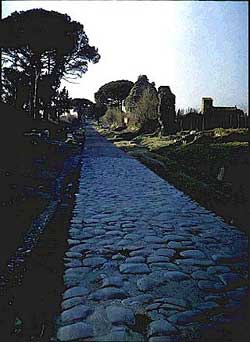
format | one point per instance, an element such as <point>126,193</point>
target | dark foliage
<point>27,49</point>
<point>113,93</point>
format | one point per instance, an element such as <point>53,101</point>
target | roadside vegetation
<point>213,166</point>
<point>35,110</point>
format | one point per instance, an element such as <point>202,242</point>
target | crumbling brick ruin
<point>166,110</point>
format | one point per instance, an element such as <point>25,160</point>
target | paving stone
<point>212,286</point>
<point>98,232</point>
<point>201,275</point>
<point>108,293</point>
<point>165,252</point>
<point>166,266</point>
<point>137,268</point>
<point>216,298</point>
<point>176,275</point>
<point>136,259</point>
<point>218,269</point>
<point>169,306</point>
<point>125,243</point>
<point>132,236</point>
<point>77,270</point>
<point>176,245</point>
<point>193,262</point>
<point>122,334</point>
<point>153,239</point>
<point>73,242</point>
<point>226,258</point>
<point>229,278</point>
<point>161,339</point>
<point>74,276</point>
<point>238,294</point>
<point>119,314</point>
<point>73,263</point>
<point>73,255</point>
<point>146,283</point>
<point>207,306</point>
<point>188,243</point>
<point>69,303</point>
<point>114,232</point>
<point>116,281</point>
<point>79,312</point>
<point>72,281</point>
<point>142,252</point>
<point>172,237</point>
<point>155,315</point>
<point>118,257</point>
<point>156,259</point>
<point>84,236</point>
<point>153,306</point>
<point>96,261</point>
<point>131,248</point>
<point>162,328</point>
<point>186,317</point>
<point>83,247</point>
<point>75,292</point>
<point>194,253</point>
<point>141,299</point>
<point>75,331</point>
<point>173,300</point>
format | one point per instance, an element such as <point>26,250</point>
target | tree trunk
<point>33,95</point>
<point>35,113</point>
<point>1,77</point>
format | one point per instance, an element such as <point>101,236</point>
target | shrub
<point>146,111</point>
<point>113,117</point>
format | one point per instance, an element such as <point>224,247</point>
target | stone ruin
<point>166,121</point>
<point>166,110</point>
<point>137,90</point>
<point>169,123</point>
<point>135,95</point>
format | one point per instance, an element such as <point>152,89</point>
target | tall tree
<point>113,93</point>
<point>83,107</point>
<point>45,43</point>
<point>62,103</point>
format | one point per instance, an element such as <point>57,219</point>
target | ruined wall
<point>136,92</point>
<point>189,122</point>
<point>166,110</point>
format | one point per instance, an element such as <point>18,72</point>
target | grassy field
<point>213,167</point>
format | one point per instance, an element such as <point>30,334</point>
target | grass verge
<point>194,165</point>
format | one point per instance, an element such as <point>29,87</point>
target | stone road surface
<point>144,261</point>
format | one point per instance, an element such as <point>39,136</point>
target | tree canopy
<point>82,103</point>
<point>113,93</point>
<point>83,106</point>
<point>39,43</point>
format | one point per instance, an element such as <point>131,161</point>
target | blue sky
<point>197,48</point>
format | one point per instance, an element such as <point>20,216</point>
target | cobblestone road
<point>144,261</point>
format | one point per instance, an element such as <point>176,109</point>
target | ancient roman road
<point>144,261</point>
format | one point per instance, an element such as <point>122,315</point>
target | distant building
<point>225,117</point>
